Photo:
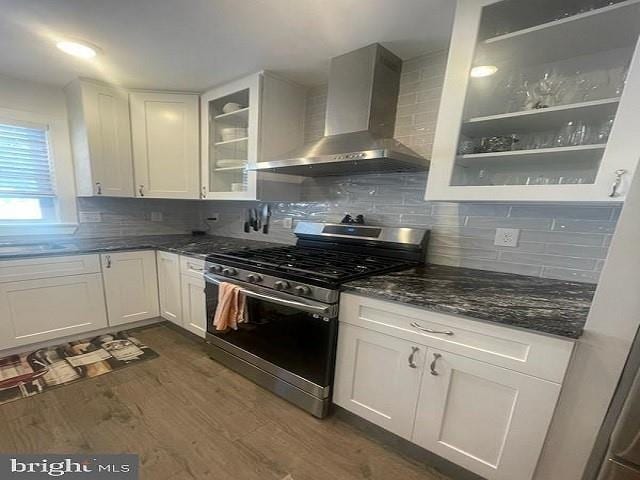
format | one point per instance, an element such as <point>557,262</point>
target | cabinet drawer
<point>48,267</point>
<point>194,267</point>
<point>539,355</point>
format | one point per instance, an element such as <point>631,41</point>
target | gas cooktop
<point>312,264</point>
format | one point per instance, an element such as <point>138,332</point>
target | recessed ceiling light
<point>77,49</point>
<point>483,71</point>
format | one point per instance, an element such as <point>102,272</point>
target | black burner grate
<point>330,265</point>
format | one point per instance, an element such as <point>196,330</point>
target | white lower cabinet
<point>373,369</point>
<point>396,367</point>
<point>46,308</point>
<point>194,307</point>
<point>488,419</point>
<point>131,286</point>
<point>169,287</point>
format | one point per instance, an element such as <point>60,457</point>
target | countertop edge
<point>572,336</point>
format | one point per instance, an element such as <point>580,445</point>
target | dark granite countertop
<point>194,246</point>
<point>549,306</point>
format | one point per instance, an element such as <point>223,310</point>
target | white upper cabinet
<point>101,139</point>
<point>165,130</point>
<point>558,119</point>
<point>252,119</point>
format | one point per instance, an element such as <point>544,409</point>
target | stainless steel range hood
<point>359,124</point>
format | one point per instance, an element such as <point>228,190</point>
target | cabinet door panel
<point>169,287</point>
<point>131,286</point>
<point>37,310</point>
<point>109,131</point>
<point>375,380</point>
<point>194,307</point>
<point>488,419</point>
<point>165,144</point>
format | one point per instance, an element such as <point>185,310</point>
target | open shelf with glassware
<point>243,122</point>
<point>548,86</point>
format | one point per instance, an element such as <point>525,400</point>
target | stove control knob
<point>302,290</point>
<point>230,271</point>
<point>254,278</point>
<point>215,269</point>
<point>281,285</point>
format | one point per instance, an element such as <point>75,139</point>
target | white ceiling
<point>196,44</point>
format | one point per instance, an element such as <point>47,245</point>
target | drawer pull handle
<point>108,259</point>
<point>436,357</point>
<point>98,188</point>
<point>414,350</point>
<point>141,190</point>
<point>194,268</point>
<point>429,330</point>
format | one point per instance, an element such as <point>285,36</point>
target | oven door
<point>289,337</point>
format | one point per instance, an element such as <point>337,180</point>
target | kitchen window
<point>37,194</point>
<point>26,173</point>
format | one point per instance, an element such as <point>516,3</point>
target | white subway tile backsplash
<point>583,226</point>
<point>548,260</point>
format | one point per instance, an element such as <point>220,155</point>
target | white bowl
<point>232,133</point>
<point>231,107</point>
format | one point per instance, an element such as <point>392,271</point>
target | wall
<point>557,240</point>
<point>600,354</point>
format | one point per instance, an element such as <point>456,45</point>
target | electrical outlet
<point>287,222</point>
<point>507,237</point>
<point>156,216</point>
<point>90,217</point>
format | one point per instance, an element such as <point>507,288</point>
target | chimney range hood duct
<point>359,123</point>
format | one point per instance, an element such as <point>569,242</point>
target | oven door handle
<point>306,307</point>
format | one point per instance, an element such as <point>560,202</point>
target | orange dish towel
<point>231,307</point>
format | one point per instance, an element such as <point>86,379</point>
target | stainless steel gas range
<point>288,342</point>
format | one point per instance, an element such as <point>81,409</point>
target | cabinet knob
<point>436,357</point>
<point>141,190</point>
<point>98,188</point>
<point>617,182</point>
<point>414,350</point>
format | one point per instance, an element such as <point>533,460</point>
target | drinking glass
<point>599,82</point>
<point>565,135</point>
<point>583,86</point>
<point>604,130</point>
<point>581,134</point>
<point>546,89</point>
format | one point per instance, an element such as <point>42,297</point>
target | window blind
<point>25,168</point>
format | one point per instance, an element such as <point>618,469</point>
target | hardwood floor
<point>190,418</point>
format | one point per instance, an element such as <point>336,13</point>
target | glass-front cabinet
<point>238,121</point>
<point>540,102</point>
